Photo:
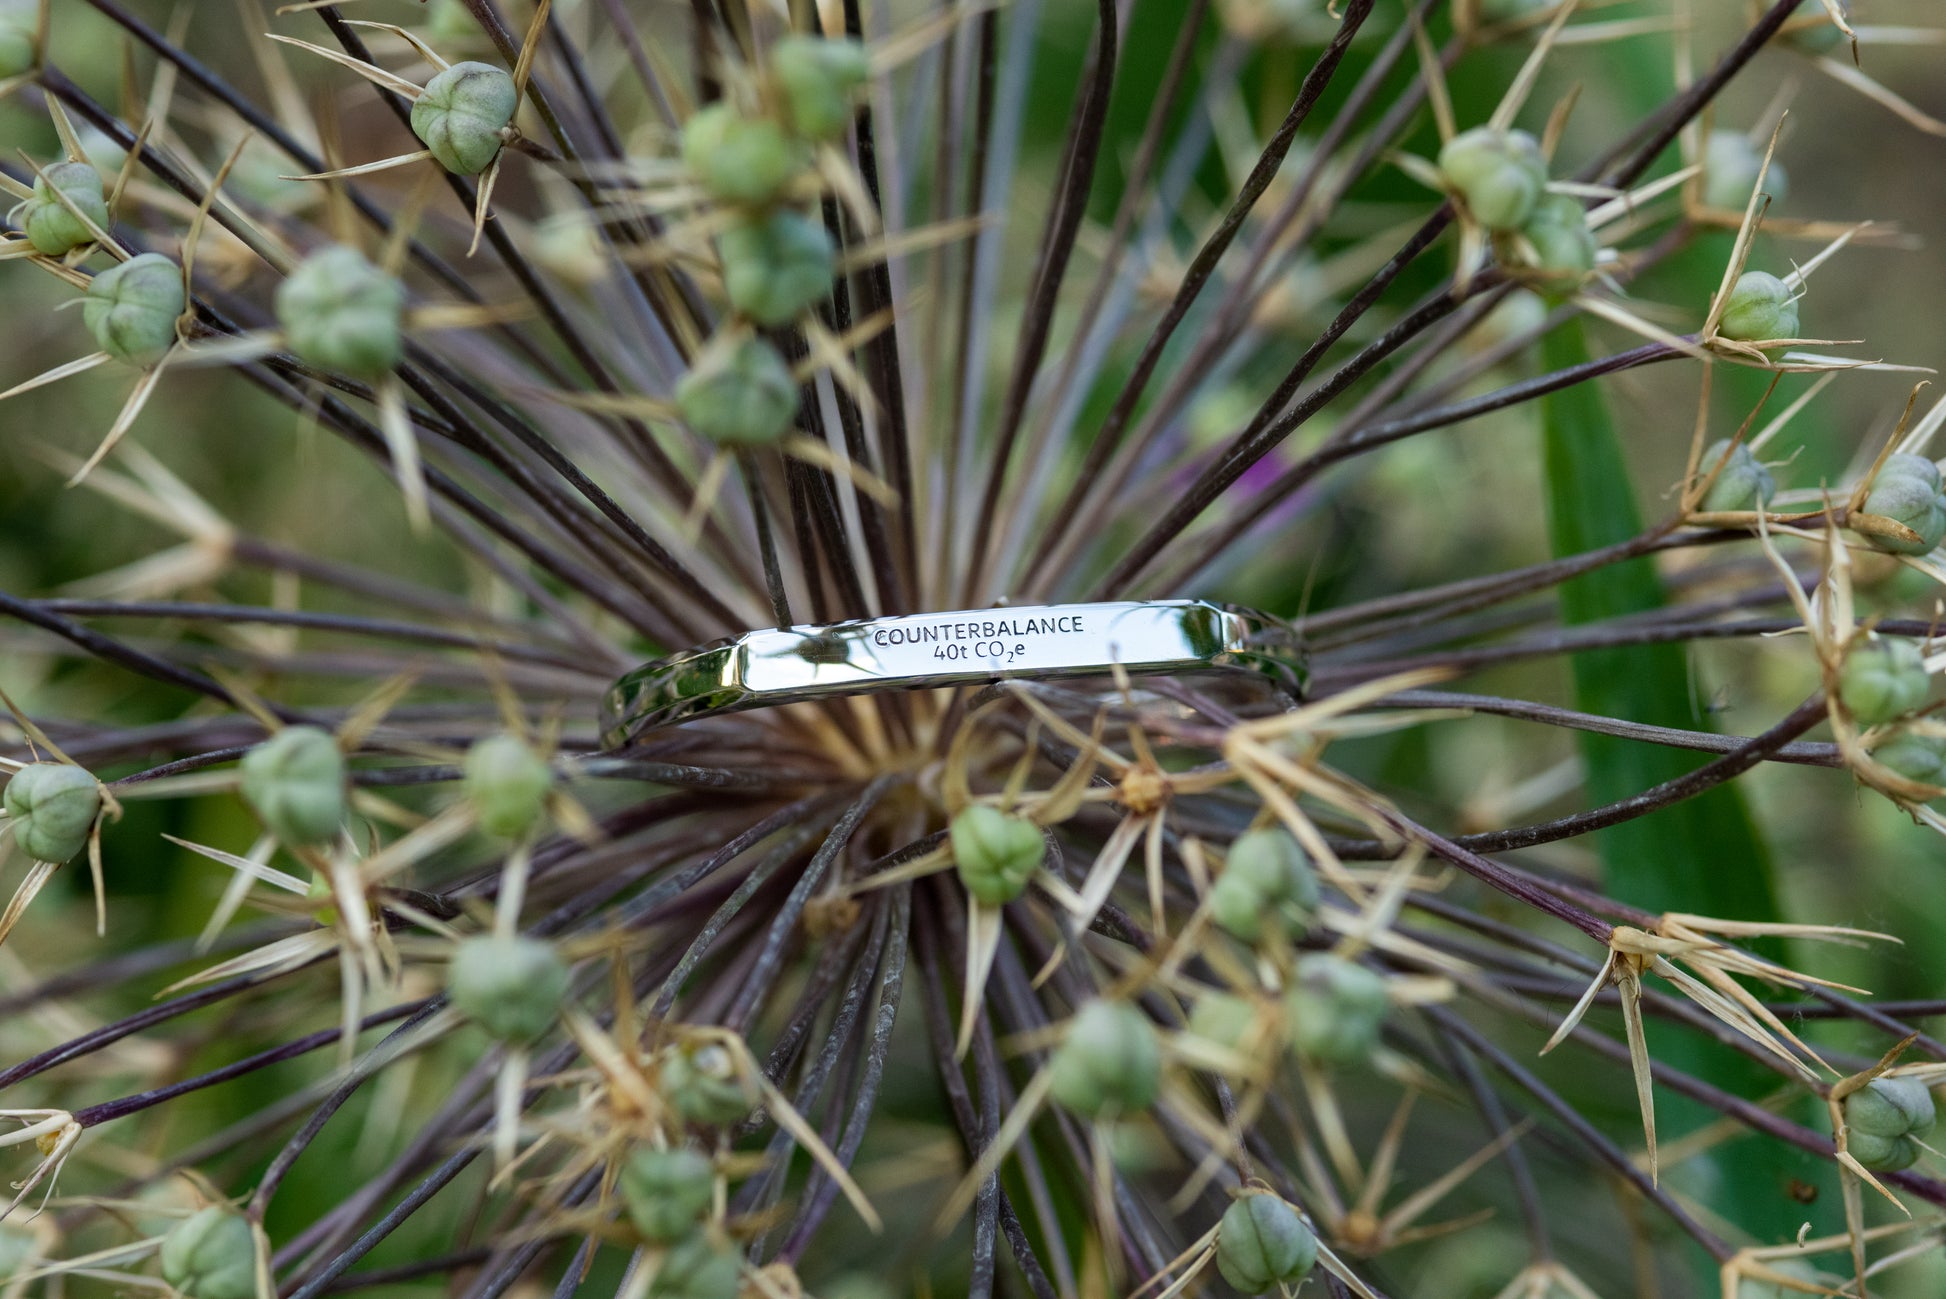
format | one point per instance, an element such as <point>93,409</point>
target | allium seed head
<point>1882,679</point>
<point>132,308</point>
<point>513,987</point>
<point>211,1255</point>
<point>740,160</point>
<point>816,80</point>
<point>668,1192</point>
<point>53,807</point>
<point>1109,1063</point>
<point>1263,1243</point>
<point>508,784</point>
<point>1499,175</point>
<point>462,114</point>
<point>776,265</point>
<point>996,852</point>
<point>52,226</point>
<point>1744,482</point>
<point>343,314</point>
<point>1334,1009</point>
<point>1760,307</point>
<point>739,392</point>
<point>295,781</point>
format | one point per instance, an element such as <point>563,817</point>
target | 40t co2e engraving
<point>923,650</point>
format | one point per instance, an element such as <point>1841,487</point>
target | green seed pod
<point>739,392</point>
<point>1498,175</point>
<point>1262,1243</point>
<point>51,226</point>
<point>53,807</point>
<point>1917,757</point>
<point>816,80</point>
<point>511,987</point>
<point>17,25</point>
<point>777,265</point>
<point>696,1269</point>
<point>131,308</point>
<point>1882,679</point>
<point>508,784</point>
<point>667,1191</point>
<point>1564,246</point>
<point>1224,1019</point>
<point>1334,1009</point>
<point>1890,1107</point>
<point>1267,885</point>
<point>295,782</point>
<point>342,313</point>
<point>461,113</point>
<point>741,160</point>
<point>1730,168</point>
<point>211,1255</point>
<point>996,852</point>
<point>1907,490</point>
<point>703,1085</point>
<point>1745,482</point>
<point>1110,1062</point>
<point>1883,1154</point>
<point>1760,308</point>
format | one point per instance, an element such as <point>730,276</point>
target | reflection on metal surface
<point>917,651</point>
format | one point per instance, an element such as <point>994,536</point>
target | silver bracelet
<point>923,650</point>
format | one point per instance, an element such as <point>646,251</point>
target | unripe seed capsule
<point>1883,679</point>
<point>1334,1009</point>
<point>816,80</point>
<point>1883,1154</point>
<point>50,225</point>
<point>131,309</point>
<point>1267,885</point>
<point>511,987</point>
<point>1760,308</point>
<point>52,807</point>
<point>17,25</point>
<point>739,392</point>
<point>1907,490</point>
<point>1110,1061</point>
<point>461,113</point>
<point>1498,175</point>
<point>1920,758</point>
<point>508,784</point>
<point>776,265</point>
<point>1564,246</point>
<point>1262,1242</point>
<point>667,1191</point>
<point>696,1269</point>
<point>342,313</point>
<point>1890,1107</point>
<point>295,782</point>
<point>741,160</point>
<point>211,1255</point>
<point>1730,168</point>
<point>996,852</point>
<point>703,1085</point>
<point>1745,482</point>
<point>1224,1019</point>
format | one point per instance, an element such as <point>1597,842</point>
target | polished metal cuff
<point>924,650</point>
